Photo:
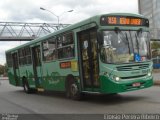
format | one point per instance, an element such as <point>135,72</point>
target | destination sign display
<point>65,64</point>
<point>121,20</point>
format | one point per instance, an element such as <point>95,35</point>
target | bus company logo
<point>55,78</point>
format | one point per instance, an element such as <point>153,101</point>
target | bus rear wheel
<point>72,90</point>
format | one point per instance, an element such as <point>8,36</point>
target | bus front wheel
<point>72,90</point>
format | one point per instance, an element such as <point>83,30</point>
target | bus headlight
<point>149,74</point>
<point>117,79</point>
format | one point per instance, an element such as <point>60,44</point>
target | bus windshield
<point>125,46</point>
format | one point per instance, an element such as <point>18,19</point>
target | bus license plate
<point>136,84</point>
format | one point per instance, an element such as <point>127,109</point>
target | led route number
<point>124,21</point>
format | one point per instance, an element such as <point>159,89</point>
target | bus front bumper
<point>110,86</point>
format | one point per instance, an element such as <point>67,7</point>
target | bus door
<point>88,59</point>
<point>37,70</point>
<point>16,68</point>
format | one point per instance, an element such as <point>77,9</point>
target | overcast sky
<point>28,11</point>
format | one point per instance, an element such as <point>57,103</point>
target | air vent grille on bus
<point>139,76</point>
<point>132,67</point>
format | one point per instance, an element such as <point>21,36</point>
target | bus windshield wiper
<point>124,37</point>
<point>128,43</point>
<point>137,42</point>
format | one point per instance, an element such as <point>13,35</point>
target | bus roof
<point>74,26</point>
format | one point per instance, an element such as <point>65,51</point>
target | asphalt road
<point>14,100</point>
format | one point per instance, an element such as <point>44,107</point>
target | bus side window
<point>28,55</point>
<point>59,41</point>
<point>20,56</point>
<point>9,59</point>
<point>22,59</point>
<point>24,56</point>
<point>49,50</point>
<point>67,39</point>
<point>69,51</point>
<point>65,46</point>
<point>38,56</point>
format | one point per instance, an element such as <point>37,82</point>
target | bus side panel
<point>53,79</point>
<point>18,77</point>
<point>21,69</point>
<point>27,72</point>
<point>30,76</point>
<point>54,76</point>
<point>11,76</point>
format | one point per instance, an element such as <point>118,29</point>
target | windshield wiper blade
<point>131,41</point>
<point>123,38</point>
<point>128,43</point>
<point>137,42</point>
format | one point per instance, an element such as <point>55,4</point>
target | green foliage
<point>3,70</point>
<point>155,45</point>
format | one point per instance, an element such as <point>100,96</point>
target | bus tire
<point>26,87</point>
<point>72,90</point>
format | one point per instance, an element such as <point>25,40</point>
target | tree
<point>3,70</point>
<point>155,45</point>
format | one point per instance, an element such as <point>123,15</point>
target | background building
<point>151,9</point>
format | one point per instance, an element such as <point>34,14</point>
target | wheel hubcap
<point>74,89</point>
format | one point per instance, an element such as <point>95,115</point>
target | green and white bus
<point>104,54</point>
